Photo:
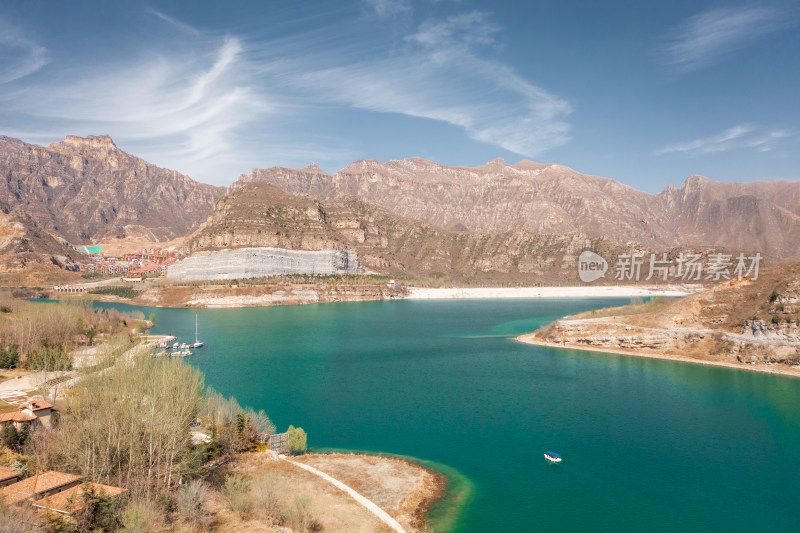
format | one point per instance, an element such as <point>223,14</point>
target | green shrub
<point>91,510</point>
<point>9,357</point>
<point>297,440</point>
<point>776,319</point>
<point>9,437</point>
<point>122,292</point>
<point>49,359</point>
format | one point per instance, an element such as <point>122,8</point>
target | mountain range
<point>497,221</point>
<point>260,214</point>
<point>555,200</point>
<point>87,189</point>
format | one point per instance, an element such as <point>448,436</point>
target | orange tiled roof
<point>35,405</point>
<point>61,501</point>
<point>7,473</point>
<point>17,416</point>
<point>27,488</point>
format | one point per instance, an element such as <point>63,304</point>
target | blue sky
<point>645,92</point>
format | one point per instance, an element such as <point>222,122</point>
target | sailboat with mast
<point>197,343</point>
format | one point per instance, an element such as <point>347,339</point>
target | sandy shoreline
<point>780,370</point>
<point>586,291</point>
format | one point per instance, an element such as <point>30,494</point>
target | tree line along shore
<point>146,446</point>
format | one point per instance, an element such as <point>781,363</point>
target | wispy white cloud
<point>708,36</point>
<point>387,8</point>
<point>440,75</point>
<point>193,106</point>
<point>462,31</point>
<point>19,55</point>
<point>213,106</point>
<point>175,22</point>
<point>742,136</point>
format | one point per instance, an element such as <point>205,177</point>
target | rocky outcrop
<point>707,326</point>
<point>761,216</point>
<point>283,293</point>
<point>262,262</point>
<point>494,198</point>
<point>261,215</point>
<point>782,331</point>
<point>701,345</point>
<point>30,255</point>
<point>497,198</point>
<point>84,189</point>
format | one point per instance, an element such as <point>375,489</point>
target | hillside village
<point>144,263</point>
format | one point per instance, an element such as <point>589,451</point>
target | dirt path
<point>368,504</point>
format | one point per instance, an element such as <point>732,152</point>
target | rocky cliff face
<point>491,199</point>
<point>30,255</point>
<point>262,262</point>
<point>87,189</point>
<point>284,293</point>
<point>261,215</point>
<point>763,216</point>
<point>497,198</point>
<point>747,322</point>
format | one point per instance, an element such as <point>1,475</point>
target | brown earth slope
<point>261,215</point>
<point>87,189</point>
<point>498,198</point>
<point>753,324</point>
<point>30,256</point>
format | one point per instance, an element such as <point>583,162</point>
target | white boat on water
<point>552,457</point>
<point>197,343</point>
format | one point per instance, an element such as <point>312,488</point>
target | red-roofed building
<point>146,271</point>
<point>17,418</point>
<point>71,500</point>
<point>37,408</point>
<point>38,486</point>
<point>8,476</point>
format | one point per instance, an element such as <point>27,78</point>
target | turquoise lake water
<point>647,444</point>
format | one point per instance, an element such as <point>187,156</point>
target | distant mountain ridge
<point>260,215</point>
<point>492,223</point>
<point>555,200</point>
<point>85,189</point>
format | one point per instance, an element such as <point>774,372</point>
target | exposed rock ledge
<point>262,262</point>
<point>262,295</point>
<point>771,352</point>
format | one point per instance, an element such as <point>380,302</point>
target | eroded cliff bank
<point>261,295</point>
<point>752,324</point>
<point>260,262</point>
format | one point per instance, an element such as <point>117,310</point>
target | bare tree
<point>129,424</point>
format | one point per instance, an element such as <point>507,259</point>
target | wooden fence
<point>279,442</point>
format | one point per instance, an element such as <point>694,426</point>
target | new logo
<point>591,266</point>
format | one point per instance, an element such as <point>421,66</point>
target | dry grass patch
<point>331,509</point>
<point>404,490</point>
